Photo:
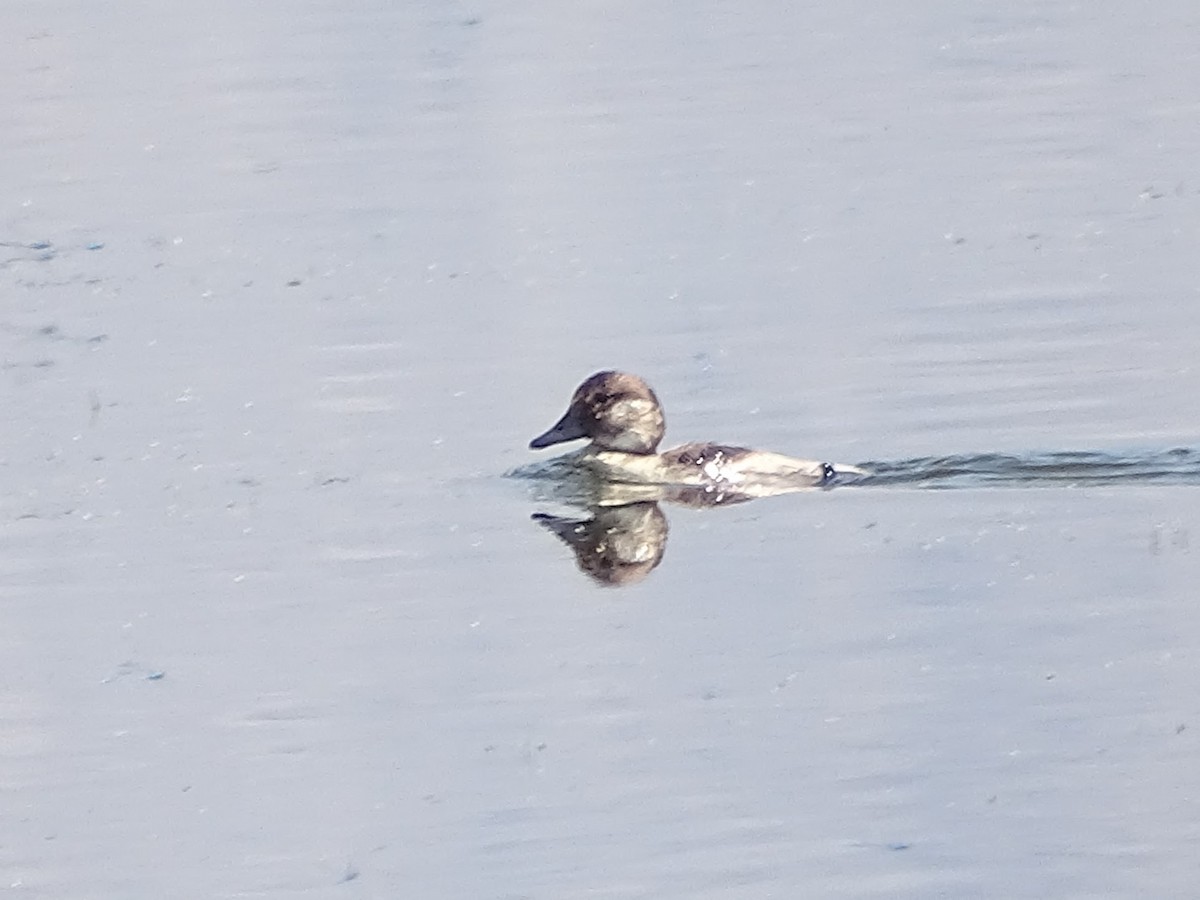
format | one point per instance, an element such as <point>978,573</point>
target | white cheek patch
<point>635,409</point>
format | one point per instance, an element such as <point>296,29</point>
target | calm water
<point>287,290</point>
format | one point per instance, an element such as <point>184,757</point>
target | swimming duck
<point>622,417</point>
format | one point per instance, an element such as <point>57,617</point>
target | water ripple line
<point>1177,466</point>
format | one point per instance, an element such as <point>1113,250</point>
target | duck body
<point>624,421</point>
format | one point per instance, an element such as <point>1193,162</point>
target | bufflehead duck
<point>624,420</point>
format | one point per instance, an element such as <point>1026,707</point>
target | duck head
<point>616,410</point>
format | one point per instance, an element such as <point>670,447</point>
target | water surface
<point>287,290</point>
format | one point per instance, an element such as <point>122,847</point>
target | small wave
<point>1177,466</point>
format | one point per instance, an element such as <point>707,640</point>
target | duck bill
<point>568,428</point>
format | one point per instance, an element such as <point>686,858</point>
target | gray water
<point>287,289</point>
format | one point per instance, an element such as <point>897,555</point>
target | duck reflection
<point>615,545</point>
<point>623,537</point>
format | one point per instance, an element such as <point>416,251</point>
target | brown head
<point>616,410</point>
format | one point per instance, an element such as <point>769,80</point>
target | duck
<point>621,417</point>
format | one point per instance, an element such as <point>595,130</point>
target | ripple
<point>1180,465</point>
